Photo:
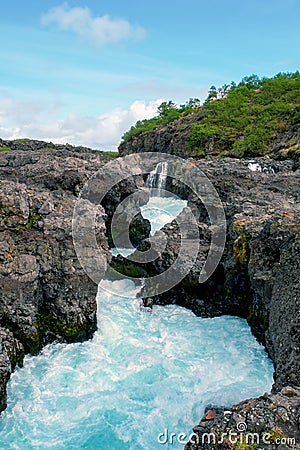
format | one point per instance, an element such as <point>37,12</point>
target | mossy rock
<point>30,341</point>
<point>241,250</point>
<point>259,323</point>
<point>129,269</point>
<point>33,219</point>
<point>50,329</point>
<point>138,231</point>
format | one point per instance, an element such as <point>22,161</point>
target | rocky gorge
<point>46,296</point>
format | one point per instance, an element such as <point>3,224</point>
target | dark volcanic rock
<point>267,422</point>
<point>45,295</point>
<point>11,354</point>
<point>171,138</point>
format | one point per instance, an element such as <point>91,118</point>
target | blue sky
<point>84,71</point>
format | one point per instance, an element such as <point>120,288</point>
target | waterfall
<point>157,178</point>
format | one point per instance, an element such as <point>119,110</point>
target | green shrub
<point>109,155</point>
<point>246,120</point>
<point>167,113</point>
<point>22,141</point>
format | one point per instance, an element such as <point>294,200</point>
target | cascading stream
<point>156,180</point>
<point>143,373</point>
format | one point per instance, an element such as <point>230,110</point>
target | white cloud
<point>102,132</point>
<point>171,89</point>
<point>99,30</point>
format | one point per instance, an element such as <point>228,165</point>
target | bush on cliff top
<point>237,120</point>
<point>167,112</point>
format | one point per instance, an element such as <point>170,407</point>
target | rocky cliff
<point>267,422</point>
<point>256,117</point>
<point>171,138</point>
<point>45,295</point>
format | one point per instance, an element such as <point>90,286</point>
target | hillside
<point>257,117</point>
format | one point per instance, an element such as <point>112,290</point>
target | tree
<point>223,91</point>
<point>252,81</point>
<point>165,108</point>
<point>192,103</point>
<point>212,94</point>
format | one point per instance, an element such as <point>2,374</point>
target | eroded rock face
<point>270,421</point>
<point>171,138</point>
<point>45,295</point>
<point>11,354</point>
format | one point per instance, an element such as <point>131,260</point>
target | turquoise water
<point>142,373</point>
<point>162,210</point>
<point>159,211</point>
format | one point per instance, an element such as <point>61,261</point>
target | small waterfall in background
<point>157,178</point>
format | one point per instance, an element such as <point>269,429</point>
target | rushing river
<point>144,372</point>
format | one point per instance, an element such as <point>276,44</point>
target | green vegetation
<point>129,269</point>
<point>22,141</point>
<point>238,120</point>
<point>107,156</point>
<point>167,112</point>
<point>241,250</point>
<point>137,232</point>
<point>5,149</point>
<point>33,219</point>
<point>244,119</point>
<point>47,148</point>
<point>67,332</point>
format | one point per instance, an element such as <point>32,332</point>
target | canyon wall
<point>45,295</point>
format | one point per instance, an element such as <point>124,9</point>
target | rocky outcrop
<point>39,269</point>
<point>267,422</point>
<point>45,295</point>
<point>11,354</point>
<point>171,138</point>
